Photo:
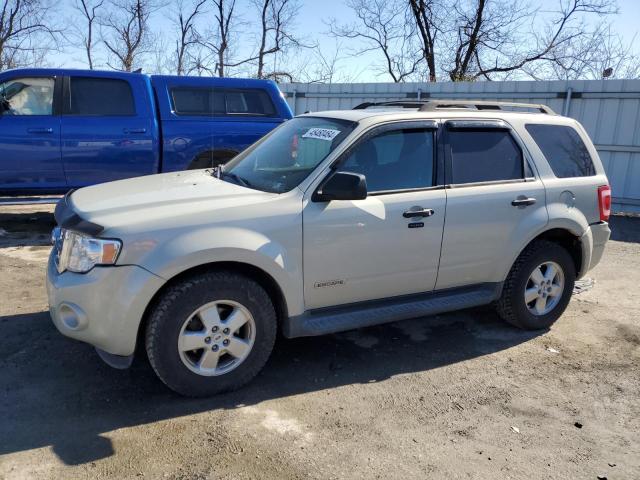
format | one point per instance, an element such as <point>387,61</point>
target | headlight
<point>80,253</point>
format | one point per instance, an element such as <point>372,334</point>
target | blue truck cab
<point>62,129</point>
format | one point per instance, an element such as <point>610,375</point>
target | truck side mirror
<point>342,186</point>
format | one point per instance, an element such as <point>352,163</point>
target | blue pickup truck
<point>63,129</point>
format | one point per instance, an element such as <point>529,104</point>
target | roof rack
<point>441,104</point>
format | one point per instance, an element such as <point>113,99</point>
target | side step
<point>365,314</point>
<point>29,200</point>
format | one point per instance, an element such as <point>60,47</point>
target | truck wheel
<point>538,287</point>
<point>211,333</point>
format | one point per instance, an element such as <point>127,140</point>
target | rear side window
<point>564,150</point>
<point>219,101</point>
<point>484,156</point>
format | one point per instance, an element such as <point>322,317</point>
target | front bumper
<point>103,307</point>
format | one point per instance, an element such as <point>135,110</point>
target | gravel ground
<point>453,396</point>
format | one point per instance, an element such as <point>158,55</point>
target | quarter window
<point>564,150</point>
<point>27,96</point>
<point>219,101</point>
<point>484,156</point>
<point>394,160</point>
<point>100,96</point>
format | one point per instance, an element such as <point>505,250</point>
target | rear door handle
<point>418,212</point>
<point>134,130</point>
<point>40,130</point>
<point>523,201</point>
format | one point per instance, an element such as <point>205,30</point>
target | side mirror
<point>342,186</point>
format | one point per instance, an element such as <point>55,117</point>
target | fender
<point>210,245</point>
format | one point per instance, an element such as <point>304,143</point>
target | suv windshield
<point>288,155</point>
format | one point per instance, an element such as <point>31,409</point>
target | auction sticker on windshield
<point>322,133</point>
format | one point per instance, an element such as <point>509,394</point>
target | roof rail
<point>442,104</point>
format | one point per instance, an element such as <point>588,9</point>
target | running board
<point>29,200</point>
<point>365,314</point>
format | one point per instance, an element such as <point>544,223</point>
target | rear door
<point>495,202</point>
<point>30,135</point>
<point>108,128</point>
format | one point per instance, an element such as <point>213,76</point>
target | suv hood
<point>176,197</point>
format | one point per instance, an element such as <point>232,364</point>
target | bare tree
<point>276,19</point>
<point>187,34</point>
<point>26,33</point>
<point>425,15</point>
<point>128,32</point>
<point>89,11</point>
<point>491,36</point>
<point>220,38</point>
<point>383,26</point>
<point>591,56</point>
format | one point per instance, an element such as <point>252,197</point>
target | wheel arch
<point>263,278</point>
<point>566,238</point>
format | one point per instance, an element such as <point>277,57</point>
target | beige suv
<point>333,221</point>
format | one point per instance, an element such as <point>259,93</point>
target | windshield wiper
<point>237,178</point>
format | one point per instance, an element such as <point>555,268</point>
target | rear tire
<point>211,333</point>
<point>538,287</point>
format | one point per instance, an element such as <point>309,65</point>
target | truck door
<point>30,136</point>
<point>108,128</point>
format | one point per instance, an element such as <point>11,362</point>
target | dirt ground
<point>453,396</point>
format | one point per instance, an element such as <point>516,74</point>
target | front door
<point>29,136</point>
<point>388,244</point>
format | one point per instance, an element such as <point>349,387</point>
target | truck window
<point>204,101</point>
<point>564,150</point>
<point>100,96</point>
<point>484,156</point>
<point>27,96</point>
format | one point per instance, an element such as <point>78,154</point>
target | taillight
<point>604,202</point>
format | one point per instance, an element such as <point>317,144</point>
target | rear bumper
<point>593,244</point>
<point>103,307</point>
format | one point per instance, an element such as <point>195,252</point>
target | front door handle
<point>40,130</point>
<point>523,201</point>
<point>134,130</point>
<point>418,212</point>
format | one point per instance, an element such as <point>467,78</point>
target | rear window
<point>219,101</point>
<point>564,150</point>
<point>100,96</point>
<point>484,156</point>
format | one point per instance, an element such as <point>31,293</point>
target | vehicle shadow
<point>25,229</point>
<point>56,392</point>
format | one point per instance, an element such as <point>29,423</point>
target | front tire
<point>538,287</point>
<point>211,333</point>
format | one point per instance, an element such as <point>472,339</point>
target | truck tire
<point>538,287</point>
<point>211,333</point>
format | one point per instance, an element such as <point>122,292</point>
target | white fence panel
<point>608,109</point>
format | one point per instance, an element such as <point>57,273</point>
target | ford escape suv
<point>333,221</point>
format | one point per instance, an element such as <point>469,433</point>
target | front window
<point>27,96</point>
<point>288,155</point>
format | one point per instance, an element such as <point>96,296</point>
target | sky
<point>311,26</point>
